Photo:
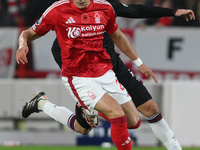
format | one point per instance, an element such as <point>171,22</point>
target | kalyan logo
<point>75,32</point>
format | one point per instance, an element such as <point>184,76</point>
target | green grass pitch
<point>79,148</point>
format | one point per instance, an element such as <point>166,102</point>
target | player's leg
<point>158,125</point>
<point>132,115</point>
<point>90,94</point>
<point>56,51</point>
<point>133,119</point>
<point>119,133</point>
<point>144,103</point>
<point>130,109</point>
<point>58,113</point>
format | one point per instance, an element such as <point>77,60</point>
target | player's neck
<point>81,4</point>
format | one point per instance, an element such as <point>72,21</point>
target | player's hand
<point>21,54</point>
<point>186,13</point>
<point>147,72</point>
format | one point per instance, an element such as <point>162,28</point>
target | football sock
<point>162,131</point>
<point>120,134</point>
<point>136,126</point>
<point>60,114</point>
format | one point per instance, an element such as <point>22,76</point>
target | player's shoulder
<point>60,3</point>
<point>103,5</point>
<point>56,5</point>
<point>104,2</point>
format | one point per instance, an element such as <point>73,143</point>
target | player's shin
<point>119,133</point>
<point>162,131</point>
<point>60,114</point>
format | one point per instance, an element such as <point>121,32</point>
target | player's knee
<point>137,125</point>
<point>115,113</point>
<point>153,108</point>
<point>118,114</point>
<point>149,108</point>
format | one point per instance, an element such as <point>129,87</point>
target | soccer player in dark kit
<point>140,96</point>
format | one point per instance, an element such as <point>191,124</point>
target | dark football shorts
<point>134,86</point>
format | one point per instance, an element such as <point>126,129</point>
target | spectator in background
<point>5,18</point>
<point>184,4</point>
<point>155,3</point>
<point>16,9</point>
<point>4,4</point>
<point>129,22</point>
<point>198,13</point>
<point>159,22</point>
<point>195,5</point>
<point>165,21</point>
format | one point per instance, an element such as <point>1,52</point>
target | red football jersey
<point>80,35</point>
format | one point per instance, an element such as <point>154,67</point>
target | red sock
<point>119,133</point>
<point>136,126</point>
<point>104,116</point>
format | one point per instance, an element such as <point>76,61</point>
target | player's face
<point>81,4</point>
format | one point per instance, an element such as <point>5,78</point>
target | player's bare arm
<point>187,14</point>
<point>125,46</point>
<point>25,37</point>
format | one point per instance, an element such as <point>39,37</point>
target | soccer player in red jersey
<point>86,69</point>
<point>140,95</point>
<point>122,11</point>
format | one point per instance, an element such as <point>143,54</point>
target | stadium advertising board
<point>8,47</point>
<point>172,53</point>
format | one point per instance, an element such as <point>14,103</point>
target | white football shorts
<point>88,91</point>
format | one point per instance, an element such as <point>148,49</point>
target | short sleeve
<point>111,25</point>
<point>46,22</point>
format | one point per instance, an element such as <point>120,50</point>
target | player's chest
<point>82,24</point>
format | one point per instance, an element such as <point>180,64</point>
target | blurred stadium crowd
<point>23,13</point>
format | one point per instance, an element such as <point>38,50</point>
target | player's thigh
<point>131,112</point>
<point>109,107</point>
<point>114,88</point>
<point>84,90</point>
